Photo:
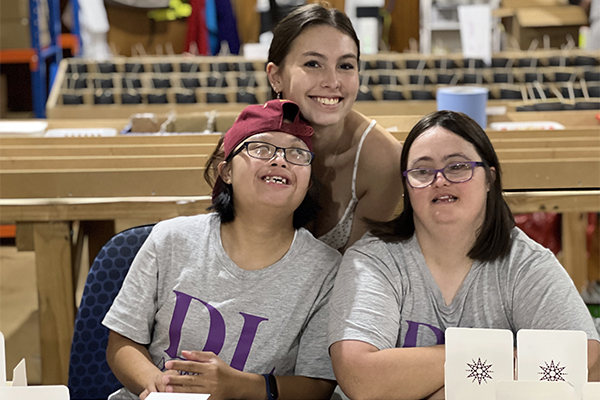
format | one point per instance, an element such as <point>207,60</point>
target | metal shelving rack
<point>43,61</point>
<point>439,19</point>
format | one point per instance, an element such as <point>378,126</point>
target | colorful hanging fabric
<point>197,32</point>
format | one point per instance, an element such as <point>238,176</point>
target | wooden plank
<point>104,183</point>
<point>142,208</point>
<point>107,150</point>
<point>551,174</point>
<point>24,238</point>
<point>574,246</point>
<point>527,136</point>
<point>56,299</point>
<point>159,207</point>
<point>554,201</point>
<point>545,143</point>
<point>115,140</point>
<point>548,153</point>
<point>95,162</point>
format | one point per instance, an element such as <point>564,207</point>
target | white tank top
<point>339,235</point>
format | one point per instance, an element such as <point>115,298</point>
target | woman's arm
<point>593,360</point>
<point>379,182</point>
<point>364,372</point>
<point>132,365</point>
<point>209,374</point>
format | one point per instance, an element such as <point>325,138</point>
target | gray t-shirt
<point>184,293</point>
<point>386,296</point>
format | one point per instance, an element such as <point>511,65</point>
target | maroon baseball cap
<point>273,116</point>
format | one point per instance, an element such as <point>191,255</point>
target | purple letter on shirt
<point>216,331</point>
<point>410,340</point>
<point>245,341</point>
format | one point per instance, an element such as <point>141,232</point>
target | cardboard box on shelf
<point>526,24</point>
<point>14,34</point>
<point>14,9</point>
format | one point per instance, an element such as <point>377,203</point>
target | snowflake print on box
<point>552,372</point>
<point>479,371</point>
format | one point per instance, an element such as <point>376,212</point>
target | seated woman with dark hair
<point>214,301</point>
<point>453,258</point>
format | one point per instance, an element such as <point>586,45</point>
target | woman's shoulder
<point>379,146</point>
<point>184,225</point>
<point>526,255</point>
<point>315,248</point>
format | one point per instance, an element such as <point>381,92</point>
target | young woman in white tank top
<point>314,61</point>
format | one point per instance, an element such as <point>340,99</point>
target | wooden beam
<point>574,247</point>
<point>104,183</point>
<point>56,299</point>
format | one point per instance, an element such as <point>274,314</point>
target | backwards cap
<point>273,116</point>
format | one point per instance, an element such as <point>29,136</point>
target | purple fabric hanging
<point>227,26</point>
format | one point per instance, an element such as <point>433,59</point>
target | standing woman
<point>214,301</point>
<point>314,61</point>
<point>453,258</point>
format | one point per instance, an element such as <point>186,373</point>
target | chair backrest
<point>90,376</point>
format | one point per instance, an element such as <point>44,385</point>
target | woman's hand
<point>205,373</point>
<point>156,384</point>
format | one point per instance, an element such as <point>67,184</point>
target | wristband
<point>272,392</point>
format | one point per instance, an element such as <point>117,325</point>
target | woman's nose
<point>279,154</point>
<point>442,181</point>
<point>331,78</point>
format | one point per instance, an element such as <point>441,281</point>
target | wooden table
<point>46,184</point>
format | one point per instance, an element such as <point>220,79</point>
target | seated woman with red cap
<point>232,303</point>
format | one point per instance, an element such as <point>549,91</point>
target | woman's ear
<point>274,78</point>
<point>493,177</point>
<point>225,171</point>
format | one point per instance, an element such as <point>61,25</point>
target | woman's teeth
<point>326,100</point>
<point>448,199</point>
<point>275,179</point>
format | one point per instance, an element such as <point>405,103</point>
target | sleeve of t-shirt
<point>365,304</point>
<point>133,311</point>
<point>313,358</point>
<point>545,297</point>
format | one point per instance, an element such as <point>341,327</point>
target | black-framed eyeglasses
<point>266,151</point>
<point>459,172</point>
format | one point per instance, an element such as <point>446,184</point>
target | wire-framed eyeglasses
<point>266,151</point>
<point>459,172</point>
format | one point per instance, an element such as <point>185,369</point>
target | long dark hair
<point>289,28</point>
<point>494,237</point>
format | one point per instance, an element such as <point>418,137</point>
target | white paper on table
<point>2,361</point>
<point>476,359</point>
<point>177,396</point>
<point>476,31</point>
<point>534,390</point>
<point>53,392</point>
<point>20,374</point>
<point>553,356</point>
<point>590,391</point>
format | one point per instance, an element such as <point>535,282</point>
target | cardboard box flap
<point>551,16</point>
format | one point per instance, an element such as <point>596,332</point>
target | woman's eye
<point>347,66</point>
<point>312,64</point>
<point>459,166</point>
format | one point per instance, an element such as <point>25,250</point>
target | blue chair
<point>90,376</point>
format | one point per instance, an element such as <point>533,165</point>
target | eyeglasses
<point>266,151</point>
<point>459,172</point>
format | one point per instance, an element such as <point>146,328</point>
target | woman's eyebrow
<point>424,158</point>
<point>319,55</point>
<point>313,54</point>
<point>462,155</point>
